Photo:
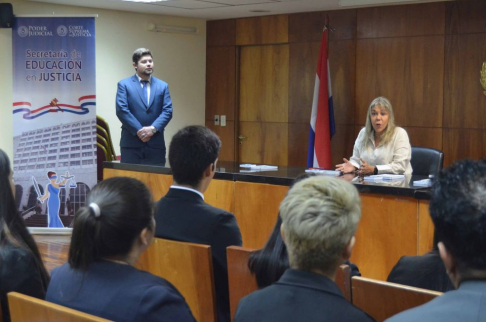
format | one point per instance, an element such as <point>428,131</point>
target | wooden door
<point>263,104</point>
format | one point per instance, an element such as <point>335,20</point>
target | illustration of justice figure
<point>52,194</point>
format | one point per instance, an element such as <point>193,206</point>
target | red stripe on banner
<point>87,97</point>
<point>322,144</point>
<point>40,109</point>
<point>21,103</point>
<point>70,106</point>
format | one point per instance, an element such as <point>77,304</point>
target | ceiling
<point>222,9</point>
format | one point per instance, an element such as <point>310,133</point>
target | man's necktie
<point>145,91</point>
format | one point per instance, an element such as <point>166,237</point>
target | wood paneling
<point>464,101</point>
<point>342,59</point>
<point>256,209</point>
<point>308,26</point>
<point>342,143</point>
<point>463,144</point>
<point>387,231</point>
<point>221,194</point>
<point>465,16</point>
<point>265,143</point>
<point>158,184</point>
<point>303,65</point>
<point>221,33</point>
<point>220,82</point>
<point>298,144</point>
<point>264,83</point>
<point>426,137</point>
<point>262,30</point>
<point>426,228</point>
<point>227,136</point>
<point>401,21</point>
<point>302,78</point>
<point>408,71</point>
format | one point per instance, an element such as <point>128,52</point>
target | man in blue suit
<point>144,107</point>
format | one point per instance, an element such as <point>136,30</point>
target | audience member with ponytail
<point>21,267</point>
<point>109,234</point>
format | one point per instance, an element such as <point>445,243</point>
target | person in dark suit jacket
<point>319,218</point>
<point>144,107</point>
<point>425,271</point>
<point>458,210</point>
<point>109,234</point>
<point>182,213</point>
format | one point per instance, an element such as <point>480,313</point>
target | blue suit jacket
<point>133,112</point>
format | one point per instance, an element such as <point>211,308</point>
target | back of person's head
<point>458,210</point>
<point>8,211</point>
<point>269,263</point>
<point>139,53</point>
<point>191,151</point>
<point>116,212</point>
<point>319,216</point>
<point>12,226</point>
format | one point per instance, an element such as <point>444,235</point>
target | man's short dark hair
<point>191,151</point>
<point>458,210</point>
<point>139,53</point>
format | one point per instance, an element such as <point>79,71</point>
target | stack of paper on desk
<point>255,168</point>
<point>332,173</point>
<point>384,177</point>
<point>423,183</point>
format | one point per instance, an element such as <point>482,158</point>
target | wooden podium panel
<point>387,231</point>
<point>158,184</point>
<point>256,209</point>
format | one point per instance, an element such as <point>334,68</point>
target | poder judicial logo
<point>34,31</point>
<point>62,30</point>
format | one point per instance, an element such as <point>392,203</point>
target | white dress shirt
<point>394,157</point>
<point>188,189</point>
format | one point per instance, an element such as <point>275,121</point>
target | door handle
<point>241,138</point>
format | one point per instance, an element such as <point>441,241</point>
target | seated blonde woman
<point>381,146</point>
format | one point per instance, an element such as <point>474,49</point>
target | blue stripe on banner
<point>87,104</point>
<point>332,124</point>
<point>310,153</point>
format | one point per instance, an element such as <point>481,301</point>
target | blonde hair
<point>320,215</point>
<point>390,129</point>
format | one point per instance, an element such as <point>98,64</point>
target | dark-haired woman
<point>109,234</point>
<point>21,267</point>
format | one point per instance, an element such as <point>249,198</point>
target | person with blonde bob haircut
<point>381,146</point>
<point>319,218</point>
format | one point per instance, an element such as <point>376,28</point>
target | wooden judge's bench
<point>395,219</point>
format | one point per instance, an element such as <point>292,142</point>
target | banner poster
<point>54,115</point>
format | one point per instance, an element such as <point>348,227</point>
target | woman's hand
<point>346,167</point>
<point>365,169</point>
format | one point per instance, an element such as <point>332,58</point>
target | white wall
<point>179,59</point>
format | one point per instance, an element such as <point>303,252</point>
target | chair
<point>102,132</point>
<point>25,308</point>
<point>103,124</point>
<point>101,155</point>
<point>189,267</point>
<point>426,161</point>
<point>242,282</point>
<point>382,300</point>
